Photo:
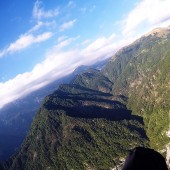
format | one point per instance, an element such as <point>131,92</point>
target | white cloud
<point>150,12</point>
<point>62,43</point>
<point>25,41</point>
<point>100,43</point>
<point>36,27</point>
<point>41,24</point>
<point>67,25</point>
<point>56,64</point>
<point>39,13</point>
<point>53,66</point>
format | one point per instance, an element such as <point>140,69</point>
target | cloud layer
<point>57,64</point>
<point>147,12</point>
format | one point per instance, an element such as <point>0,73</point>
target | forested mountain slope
<point>141,72</point>
<point>92,122</point>
<point>16,117</point>
<point>79,128</point>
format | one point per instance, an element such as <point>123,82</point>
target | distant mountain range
<point>93,121</point>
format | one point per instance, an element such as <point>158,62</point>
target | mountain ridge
<point>16,117</point>
<point>92,122</point>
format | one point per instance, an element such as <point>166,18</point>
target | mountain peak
<point>159,32</point>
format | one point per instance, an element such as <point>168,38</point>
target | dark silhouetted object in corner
<point>144,159</point>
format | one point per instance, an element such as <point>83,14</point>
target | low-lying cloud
<point>57,64</point>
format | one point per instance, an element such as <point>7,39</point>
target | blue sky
<point>91,19</point>
<point>45,40</point>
